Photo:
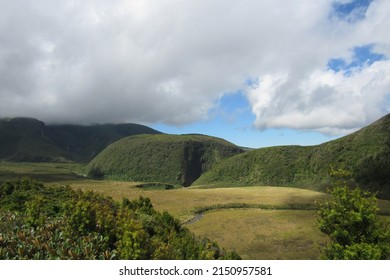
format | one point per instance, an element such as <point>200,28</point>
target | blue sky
<point>362,56</point>
<point>352,10</point>
<point>233,122</point>
<point>257,73</point>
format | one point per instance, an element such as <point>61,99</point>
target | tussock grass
<point>183,202</point>
<point>263,234</point>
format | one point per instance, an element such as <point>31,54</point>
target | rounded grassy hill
<point>174,159</point>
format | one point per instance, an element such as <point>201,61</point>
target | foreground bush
<point>40,222</point>
<point>350,218</point>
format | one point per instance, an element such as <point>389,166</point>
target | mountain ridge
<point>31,140</point>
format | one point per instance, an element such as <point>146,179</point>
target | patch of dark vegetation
<point>204,209</point>
<point>200,211</point>
<point>155,186</point>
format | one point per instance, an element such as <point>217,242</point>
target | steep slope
<point>23,139</point>
<point>83,143</point>
<point>175,159</point>
<point>26,139</point>
<point>366,153</point>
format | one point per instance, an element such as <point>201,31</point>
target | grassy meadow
<point>259,222</point>
<point>263,234</point>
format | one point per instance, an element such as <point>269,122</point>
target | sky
<point>256,73</point>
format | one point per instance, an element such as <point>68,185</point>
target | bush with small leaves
<point>40,222</point>
<point>350,219</point>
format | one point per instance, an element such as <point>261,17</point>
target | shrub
<point>39,222</point>
<point>350,219</point>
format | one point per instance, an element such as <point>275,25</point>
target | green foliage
<point>90,213</point>
<point>19,194</point>
<point>267,166</point>
<point>40,222</point>
<point>49,242</point>
<point>133,239</point>
<point>171,159</point>
<point>357,251</point>
<point>35,211</point>
<point>373,171</point>
<point>350,219</point>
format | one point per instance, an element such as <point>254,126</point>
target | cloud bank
<point>170,61</point>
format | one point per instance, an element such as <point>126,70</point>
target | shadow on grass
<point>43,177</point>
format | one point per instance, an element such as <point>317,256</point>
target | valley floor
<point>259,222</point>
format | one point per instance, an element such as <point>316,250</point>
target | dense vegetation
<point>173,159</point>
<point>26,139</point>
<point>365,153</point>
<point>350,218</point>
<point>41,222</point>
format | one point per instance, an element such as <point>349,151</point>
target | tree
<point>350,218</point>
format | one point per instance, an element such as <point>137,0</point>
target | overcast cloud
<point>170,61</point>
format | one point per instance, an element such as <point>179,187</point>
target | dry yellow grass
<point>264,234</point>
<point>181,202</point>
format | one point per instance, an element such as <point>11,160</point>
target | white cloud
<point>310,97</point>
<point>326,101</point>
<point>171,61</point>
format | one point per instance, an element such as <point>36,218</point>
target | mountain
<point>198,159</point>
<point>174,159</point>
<point>27,139</point>
<point>365,153</point>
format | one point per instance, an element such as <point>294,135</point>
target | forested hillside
<point>27,139</point>
<point>365,153</point>
<point>174,159</point>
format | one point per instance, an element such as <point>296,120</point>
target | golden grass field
<point>264,234</point>
<point>254,233</point>
<point>183,201</point>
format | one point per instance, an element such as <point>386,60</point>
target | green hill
<point>174,159</point>
<point>26,139</point>
<point>366,153</point>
